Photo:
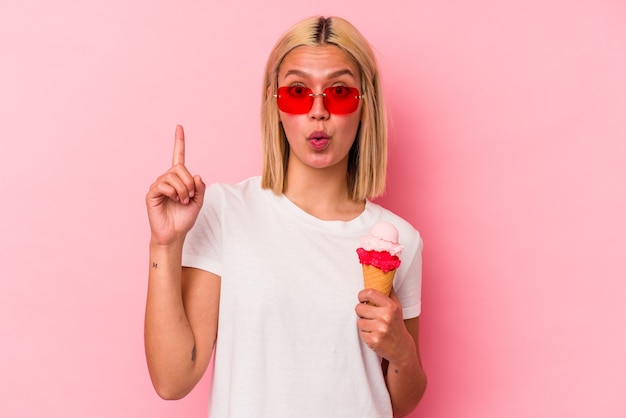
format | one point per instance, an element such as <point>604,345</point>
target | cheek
<point>351,125</point>
<point>289,123</point>
<point>283,118</point>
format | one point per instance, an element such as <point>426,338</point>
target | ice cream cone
<point>374,278</point>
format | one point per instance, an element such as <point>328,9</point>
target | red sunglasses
<point>339,100</point>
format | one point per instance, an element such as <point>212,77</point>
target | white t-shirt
<point>288,344</point>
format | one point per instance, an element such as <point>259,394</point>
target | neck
<point>323,193</point>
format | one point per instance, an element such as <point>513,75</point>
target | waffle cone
<point>374,278</point>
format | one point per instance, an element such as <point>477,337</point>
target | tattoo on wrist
<point>155,265</point>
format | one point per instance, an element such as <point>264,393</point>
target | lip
<point>318,135</point>
<point>318,140</point>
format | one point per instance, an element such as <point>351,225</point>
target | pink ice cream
<point>380,248</point>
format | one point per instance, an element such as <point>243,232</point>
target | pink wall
<point>508,153</point>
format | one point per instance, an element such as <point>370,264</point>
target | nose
<point>318,110</point>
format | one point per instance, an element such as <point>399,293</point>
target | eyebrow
<point>303,74</point>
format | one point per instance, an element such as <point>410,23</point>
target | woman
<point>271,262</point>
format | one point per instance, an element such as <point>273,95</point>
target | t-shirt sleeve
<point>202,247</point>
<point>409,287</point>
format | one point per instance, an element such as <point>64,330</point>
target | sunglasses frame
<point>324,96</point>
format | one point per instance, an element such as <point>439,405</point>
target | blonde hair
<point>367,166</point>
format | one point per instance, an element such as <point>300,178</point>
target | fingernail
<point>192,193</point>
<point>186,200</point>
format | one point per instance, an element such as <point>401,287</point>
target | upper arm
<point>201,299</point>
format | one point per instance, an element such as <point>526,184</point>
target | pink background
<point>508,153</point>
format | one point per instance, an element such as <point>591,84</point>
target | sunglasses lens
<point>339,100</point>
<point>294,99</point>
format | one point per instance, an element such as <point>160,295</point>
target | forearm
<point>169,340</point>
<point>406,384</point>
<point>405,377</point>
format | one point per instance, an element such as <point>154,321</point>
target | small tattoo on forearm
<point>155,265</point>
<point>193,354</point>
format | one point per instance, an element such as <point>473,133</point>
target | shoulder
<point>247,186</point>
<point>234,192</point>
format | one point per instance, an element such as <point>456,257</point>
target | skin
<point>182,303</point>
<point>316,178</point>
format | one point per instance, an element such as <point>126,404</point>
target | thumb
<point>200,188</point>
<point>394,296</point>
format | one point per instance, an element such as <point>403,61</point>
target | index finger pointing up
<point>179,146</point>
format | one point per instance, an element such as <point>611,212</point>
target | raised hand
<point>175,198</point>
